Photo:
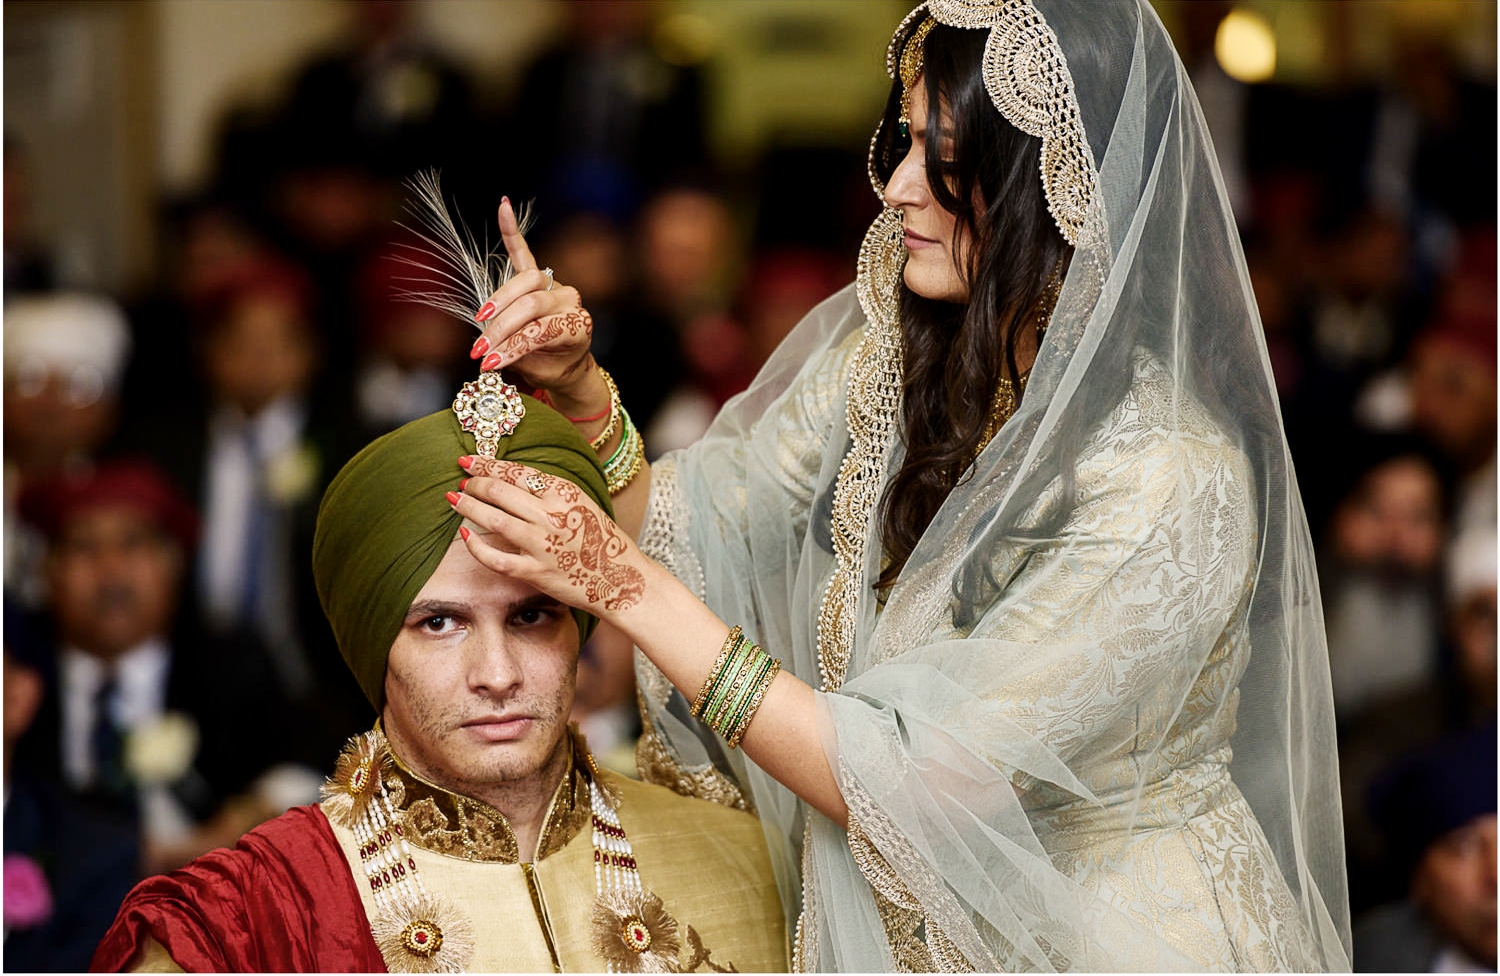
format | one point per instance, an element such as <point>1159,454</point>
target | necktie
<point>257,522</point>
<point>107,741</point>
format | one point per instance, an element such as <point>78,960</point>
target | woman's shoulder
<point>1161,449</point>
<point>1159,418</point>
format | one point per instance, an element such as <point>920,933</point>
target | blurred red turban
<point>267,275</point>
<point>1473,335</point>
<point>52,503</point>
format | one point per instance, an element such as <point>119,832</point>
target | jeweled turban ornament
<point>461,275</point>
<point>489,408</point>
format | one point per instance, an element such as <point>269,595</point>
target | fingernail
<point>490,362</point>
<point>480,347</point>
<point>463,530</point>
<point>485,311</point>
<point>453,497</point>
<point>505,201</point>
<point>462,483</point>
<point>465,461</point>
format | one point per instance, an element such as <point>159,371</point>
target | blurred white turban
<point>1471,564</point>
<point>81,338</point>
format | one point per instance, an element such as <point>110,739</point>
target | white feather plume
<point>455,273</point>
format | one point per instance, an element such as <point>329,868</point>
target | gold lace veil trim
<point>1027,77</point>
<point>658,765</point>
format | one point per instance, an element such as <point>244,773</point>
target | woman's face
<point>932,268</point>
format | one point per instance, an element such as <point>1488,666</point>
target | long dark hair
<point>955,355</point>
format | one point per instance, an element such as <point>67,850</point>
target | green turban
<point>384,524</point>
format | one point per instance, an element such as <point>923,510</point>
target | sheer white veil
<point>1119,596</point>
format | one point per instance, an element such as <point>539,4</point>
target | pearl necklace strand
<point>389,866</point>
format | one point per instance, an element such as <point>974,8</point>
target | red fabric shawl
<point>282,901</point>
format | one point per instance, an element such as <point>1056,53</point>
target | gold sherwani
<point>707,863</point>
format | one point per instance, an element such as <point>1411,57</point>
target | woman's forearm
<point>587,395</point>
<point>683,637</point>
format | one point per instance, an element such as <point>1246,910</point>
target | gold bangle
<point>727,686</point>
<point>627,460</point>
<point>614,410</point>
<point>722,702</point>
<point>733,739</point>
<point>730,643</point>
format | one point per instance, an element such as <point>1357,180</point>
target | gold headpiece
<point>911,70</point>
<point>1028,81</point>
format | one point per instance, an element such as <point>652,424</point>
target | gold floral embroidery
<point>461,826</point>
<point>910,886</point>
<point>698,956</point>
<point>874,402</point>
<point>916,943</point>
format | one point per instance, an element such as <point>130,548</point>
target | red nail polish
<point>480,347</point>
<point>485,311</point>
<point>490,362</point>
<point>465,461</point>
<point>453,497</point>
<point>462,483</point>
<point>463,530</point>
<point>505,200</point>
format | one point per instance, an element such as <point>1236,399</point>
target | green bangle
<point>738,692</point>
<point>730,643</point>
<point>625,428</point>
<point>731,679</point>
<point>736,716</point>
<point>626,462</point>
<point>721,678</point>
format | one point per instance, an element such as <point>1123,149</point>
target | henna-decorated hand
<point>534,325</point>
<point>545,531</point>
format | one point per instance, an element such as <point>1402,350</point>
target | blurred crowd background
<point>203,319</point>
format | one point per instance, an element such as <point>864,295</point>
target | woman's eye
<point>436,625</point>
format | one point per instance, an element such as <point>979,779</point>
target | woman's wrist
<point>582,396</point>
<point>587,399</point>
<point>671,626</point>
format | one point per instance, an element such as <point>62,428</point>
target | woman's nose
<point>907,186</point>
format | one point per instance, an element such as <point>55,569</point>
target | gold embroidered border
<point>657,764</point>
<point>902,908</point>
<point>461,826</point>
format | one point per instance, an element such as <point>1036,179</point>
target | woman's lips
<point>916,241</point>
